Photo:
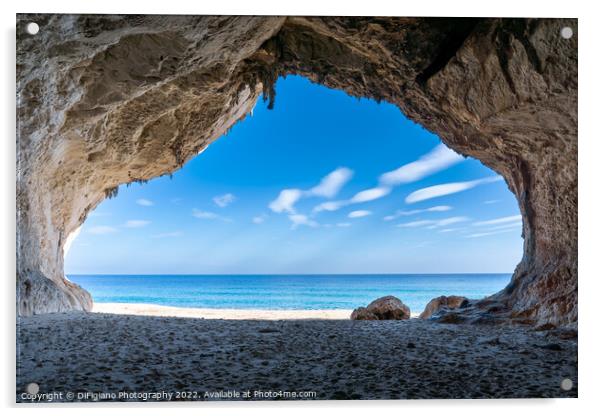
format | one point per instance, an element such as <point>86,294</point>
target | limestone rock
<point>385,308</point>
<point>363,314</point>
<point>449,302</point>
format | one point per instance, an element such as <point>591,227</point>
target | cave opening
<point>323,185</point>
<point>133,103</point>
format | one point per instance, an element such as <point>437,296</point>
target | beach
<point>218,313</point>
<point>316,359</point>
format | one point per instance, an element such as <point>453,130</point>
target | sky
<point>323,183</point>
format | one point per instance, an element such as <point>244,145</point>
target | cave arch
<point>106,100</point>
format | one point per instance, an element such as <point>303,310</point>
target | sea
<point>292,292</point>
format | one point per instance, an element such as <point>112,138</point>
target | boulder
<point>363,314</point>
<point>385,308</point>
<point>447,302</point>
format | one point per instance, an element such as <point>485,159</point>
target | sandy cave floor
<point>336,359</point>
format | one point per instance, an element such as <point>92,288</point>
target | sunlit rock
<point>385,308</point>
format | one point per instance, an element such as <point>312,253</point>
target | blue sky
<point>324,183</point>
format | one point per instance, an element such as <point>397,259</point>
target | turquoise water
<point>286,291</point>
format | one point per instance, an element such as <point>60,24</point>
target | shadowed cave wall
<point>107,100</point>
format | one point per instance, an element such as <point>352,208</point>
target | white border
<point>590,95</point>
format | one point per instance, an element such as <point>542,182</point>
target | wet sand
<point>212,359</point>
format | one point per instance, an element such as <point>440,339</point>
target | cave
<point>109,100</point>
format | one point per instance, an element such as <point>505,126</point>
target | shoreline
<point>148,309</point>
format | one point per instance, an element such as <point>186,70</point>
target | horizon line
<point>273,274</point>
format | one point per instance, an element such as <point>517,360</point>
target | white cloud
<point>299,219</point>
<point>328,187</point>
<point>437,159</point>
<point>223,201</point>
<point>501,225</point>
<point>502,220</point>
<point>447,221</point>
<point>359,214</point>
<point>418,223</point>
<point>362,196</point>
<point>441,157</point>
<point>506,226</point>
<point>102,229</point>
<point>168,235</point>
<point>447,189</point>
<point>370,194</point>
<point>286,201</point>
<point>330,206</point>
<point>332,183</point>
<point>491,201</point>
<point>344,224</point>
<point>207,215</point>
<point>484,234</point>
<point>450,221</point>
<point>136,223</point>
<point>144,202</point>
<point>259,219</point>
<point>438,208</point>
<point>432,224</point>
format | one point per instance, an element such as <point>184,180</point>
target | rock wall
<point>107,100</point>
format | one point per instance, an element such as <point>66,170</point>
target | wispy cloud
<point>223,201</point>
<point>447,189</point>
<point>486,233</point>
<point>399,213</point>
<point>299,219</point>
<point>506,226</point>
<point>344,224</point>
<point>207,215</point>
<point>145,202</point>
<point>359,214</point>
<point>286,200</point>
<point>491,201</point>
<point>362,196</point>
<point>136,223</point>
<point>432,224</point>
<point>497,226</point>
<point>448,221</point>
<point>259,219</point>
<point>370,194</point>
<point>331,184</point>
<point>501,220</point>
<point>168,235</point>
<point>417,223</point>
<point>330,206</point>
<point>328,187</point>
<point>102,229</point>
<point>441,157</point>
